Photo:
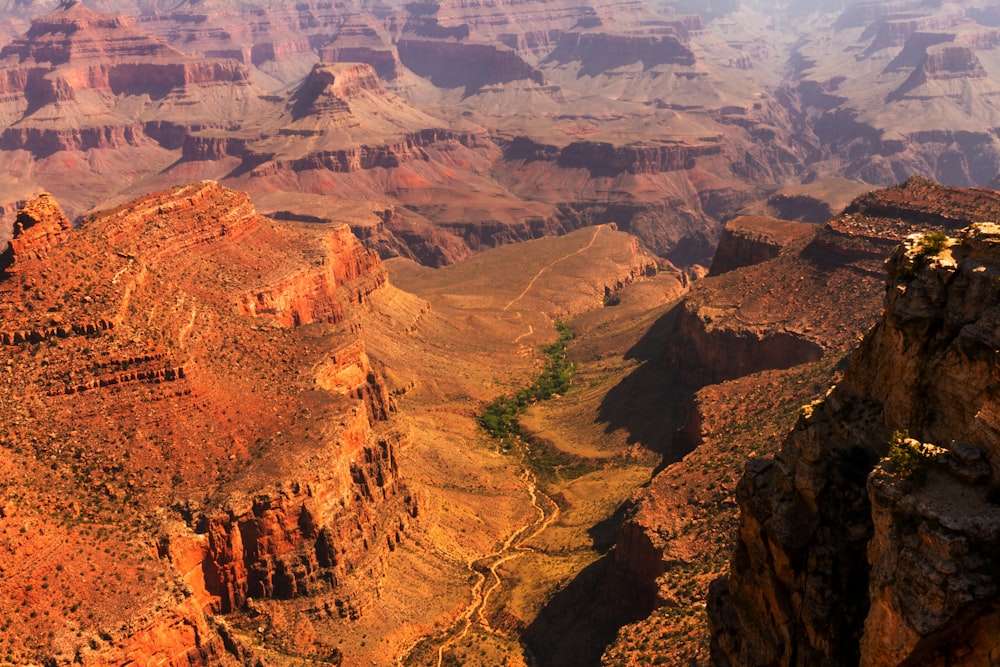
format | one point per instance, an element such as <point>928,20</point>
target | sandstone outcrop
<point>751,240</point>
<point>39,225</point>
<point>603,159</point>
<point>81,81</point>
<point>358,41</point>
<point>206,348</point>
<point>772,335</point>
<point>879,128</point>
<point>598,52</point>
<point>895,30</point>
<point>339,120</point>
<point>845,559</point>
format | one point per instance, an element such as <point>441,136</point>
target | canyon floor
<point>511,529</point>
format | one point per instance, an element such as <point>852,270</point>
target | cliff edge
<point>869,538</point>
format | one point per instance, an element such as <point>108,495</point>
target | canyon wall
<point>185,317</point>
<point>803,538</point>
<point>846,557</point>
<point>747,241</point>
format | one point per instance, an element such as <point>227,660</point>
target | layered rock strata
<point>80,59</point>
<point>751,240</point>
<point>821,292</point>
<point>197,354</point>
<point>846,557</point>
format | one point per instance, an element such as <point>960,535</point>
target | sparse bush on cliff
<point>933,243</point>
<point>905,455</point>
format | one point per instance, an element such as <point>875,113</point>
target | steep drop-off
<point>825,290</point>
<point>182,367</point>
<point>845,557</point>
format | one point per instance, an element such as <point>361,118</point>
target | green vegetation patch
<point>905,455</point>
<point>499,418</point>
<point>548,462</point>
<point>933,243</point>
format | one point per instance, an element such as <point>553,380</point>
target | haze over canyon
<point>478,333</point>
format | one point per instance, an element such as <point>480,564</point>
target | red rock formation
<point>358,158</point>
<point>75,49</point>
<point>894,31</point>
<point>304,537</point>
<point>141,346</point>
<point>943,61</point>
<point>749,240</point>
<point>483,64</point>
<point>40,224</point>
<point>599,52</point>
<point>45,141</point>
<point>711,354</point>
<point>279,38</point>
<point>181,637</point>
<point>94,50</point>
<point>605,159</point>
<point>359,42</point>
<point>314,294</point>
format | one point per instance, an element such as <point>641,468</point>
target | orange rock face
<point>184,352</point>
<point>74,52</point>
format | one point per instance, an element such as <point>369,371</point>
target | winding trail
<point>531,283</point>
<point>513,547</point>
<point>516,544</point>
<point>544,521</point>
<point>527,333</point>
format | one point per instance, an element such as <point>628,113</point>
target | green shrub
<point>499,418</point>
<point>905,455</point>
<point>933,243</point>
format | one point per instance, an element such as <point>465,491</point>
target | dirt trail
<point>544,521</point>
<point>513,547</point>
<point>531,283</point>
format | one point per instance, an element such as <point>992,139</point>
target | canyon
<point>246,416</point>
<point>678,122</point>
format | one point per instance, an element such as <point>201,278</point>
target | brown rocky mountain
<point>192,409</point>
<point>117,362</point>
<point>904,88</point>
<point>866,539</point>
<point>802,311</point>
<point>562,116</point>
<point>684,177</point>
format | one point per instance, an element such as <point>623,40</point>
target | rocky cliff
<point>865,540</point>
<point>483,64</point>
<point>598,52</point>
<point>733,344</point>
<point>751,240</point>
<point>924,56</point>
<point>83,61</point>
<point>604,159</point>
<point>39,225</point>
<point>190,365</point>
<point>360,41</point>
